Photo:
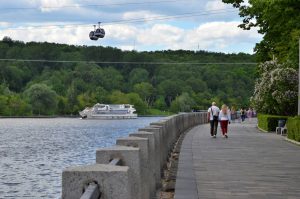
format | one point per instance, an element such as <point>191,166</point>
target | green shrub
<point>269,122</point>
<point>293,126</point>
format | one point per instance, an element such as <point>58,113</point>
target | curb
<point>292,141</point>
<point>262,129</point>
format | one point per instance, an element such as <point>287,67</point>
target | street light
<point>299,83</point>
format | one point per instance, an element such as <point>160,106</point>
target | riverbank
<point>65,116</point>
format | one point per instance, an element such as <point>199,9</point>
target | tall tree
<point>276,91</point>
<point>145,91</point>
<point>42,99</point>
<point>278,21</point>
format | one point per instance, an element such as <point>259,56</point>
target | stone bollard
<point>154,161</point>
<point>143,145</point>
<point>130,157</point>
<point>114,181</point>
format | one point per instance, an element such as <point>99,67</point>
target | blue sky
<point>211,25</point>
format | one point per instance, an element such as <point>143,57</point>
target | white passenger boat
<point>109,111</point>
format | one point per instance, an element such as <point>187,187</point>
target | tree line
<point>64,88</point>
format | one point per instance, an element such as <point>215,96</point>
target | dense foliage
<point>276,91</point>
<point>294,128</point>
<point>278,21</point>
<point>63,88</point>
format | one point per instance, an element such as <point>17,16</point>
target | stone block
<point>160,142</point>
<point>143,145</point>
<point>130,157</point>
<point>114,181</point>
<point>153,157</point>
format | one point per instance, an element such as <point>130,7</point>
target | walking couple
<point>215,115</point>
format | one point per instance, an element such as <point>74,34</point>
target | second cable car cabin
<point>97,33</point>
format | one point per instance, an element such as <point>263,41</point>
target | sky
<point>142,25</point>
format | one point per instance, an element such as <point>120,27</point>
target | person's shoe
<point>214,136</point>
<point>226,136</point>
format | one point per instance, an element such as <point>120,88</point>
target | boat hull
<point>109,112</point>
<point>110,117</point>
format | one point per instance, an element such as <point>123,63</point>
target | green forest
<point>83,78</point>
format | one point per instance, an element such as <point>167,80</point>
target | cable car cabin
<point>100,33</point>
<point>97,33</point>
<point>92,36</point>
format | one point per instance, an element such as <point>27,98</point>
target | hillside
<point>62,88</point>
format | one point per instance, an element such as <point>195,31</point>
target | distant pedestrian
<point>213,117</point>
<point>225,119</point>
<point>250,114</point>
<point>254,112</point>
<point>243,114</point>
<point>238,115</point>
<point>233,114</point>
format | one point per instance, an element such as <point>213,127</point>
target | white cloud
<point>68,35</point>
<point>51,5</point>
<point>121,32</point>
<point>218,35</point>
<point>139,15</point>
<point>216,5</point>
<point>4,24</point>
<point>124,47</point>
<point>214,36</point>
<point>160,34</point>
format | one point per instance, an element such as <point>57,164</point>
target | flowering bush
<point>276,91</point>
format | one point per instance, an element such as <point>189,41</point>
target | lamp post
<point>299,83</point>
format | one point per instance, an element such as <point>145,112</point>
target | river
<point>33,152</point>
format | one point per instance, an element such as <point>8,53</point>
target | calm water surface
<point>33,152</point>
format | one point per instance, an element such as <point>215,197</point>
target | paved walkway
<point>248,164</point>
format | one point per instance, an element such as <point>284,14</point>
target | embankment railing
<point>131,169</point>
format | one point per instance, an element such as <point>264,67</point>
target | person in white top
<point>212,116</point>
<point>224,118</point>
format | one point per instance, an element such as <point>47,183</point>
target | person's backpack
<point>215,117</point>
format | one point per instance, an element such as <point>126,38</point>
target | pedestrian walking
<point>213,117</point>
<point>238,115</point>
<point>233,114</point>
<point>225,119</point>
<point>249,114</point>
<point>243,114</point>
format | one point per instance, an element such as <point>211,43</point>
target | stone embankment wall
<point>143,156</point>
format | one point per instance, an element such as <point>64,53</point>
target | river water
<point>33,152</point>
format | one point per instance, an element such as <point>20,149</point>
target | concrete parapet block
<point>160,141</point>
<point>143,145</point>
<point>114,181</point>
<point>130,157</point>
<point>153,157</point>
<point>204,118</point>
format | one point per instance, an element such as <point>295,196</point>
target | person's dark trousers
<point>243,117</point>
<point>213,127</point>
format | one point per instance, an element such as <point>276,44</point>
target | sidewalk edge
<point>293,141</point>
